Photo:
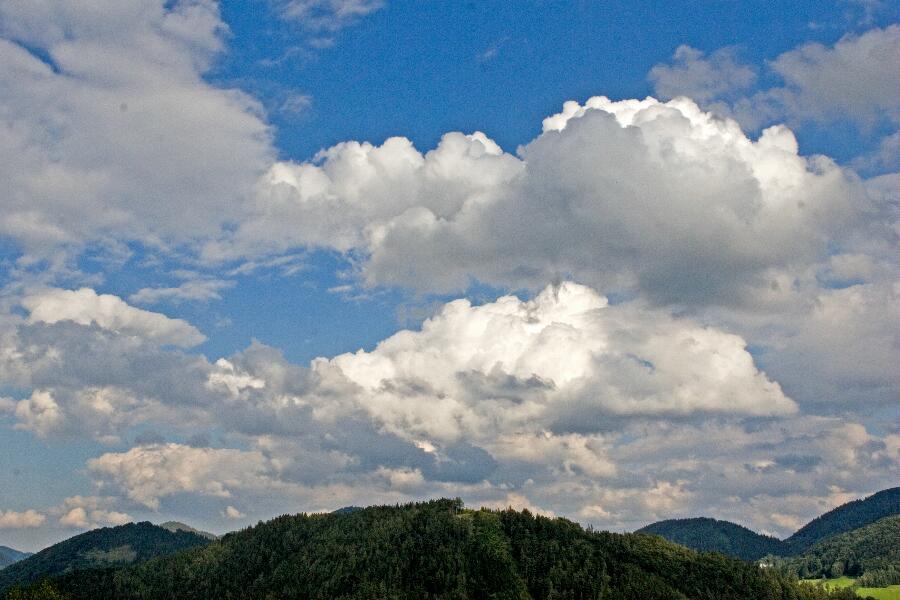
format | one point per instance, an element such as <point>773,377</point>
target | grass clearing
<point>832,584</point>
<point>885,593</point>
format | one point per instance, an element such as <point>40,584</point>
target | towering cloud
<point>660,199</point>
<point>564,361</point>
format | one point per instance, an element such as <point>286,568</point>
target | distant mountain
<point>97,549</point>
<point>9,556</point>
<point>873,551</point>
<point>435,549</point>
<point>846,517</point>
<point>706,534</point>
<point>346,509</point>
<point>711,535</point>
<point>178,526</point>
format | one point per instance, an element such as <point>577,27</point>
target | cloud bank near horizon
<point>615,414</point>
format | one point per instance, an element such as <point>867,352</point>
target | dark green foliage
<point>435,550</point>
<point>846,517</point>
<point>555,558</point>
<point>710,535</point>
<point>41,591</point>
<point>110,546</point>
<point>871,549</point>
<point>9,556</point>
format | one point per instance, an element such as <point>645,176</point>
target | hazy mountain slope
<point>9,556</point>
<point>178,526</point>
<point>100,548</point>
<point>846,517</point>
<point>435,550</point>
<point>710,535</point>
<point>346,509</point>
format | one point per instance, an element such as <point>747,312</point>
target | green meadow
<point>885,593</point>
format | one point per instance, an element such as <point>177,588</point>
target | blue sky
<point>257,258</point>
<point>422,69</point>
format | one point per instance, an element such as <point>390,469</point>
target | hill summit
<point>175,526</point>
<point>710,535</point>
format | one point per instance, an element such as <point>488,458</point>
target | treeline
<point>880,577</point>
<point>871,553</point>
<point>434,550</point>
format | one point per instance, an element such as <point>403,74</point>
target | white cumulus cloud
<point>855,78</point>
<point>148,473</point>
<point>661,199</point>
<point>10,519</point>
<point>108,130</point>
<point>39,413</point>
<point>700,77</point>
<point>86,307</point>
<point>90,512</point>
<point>475,372</point>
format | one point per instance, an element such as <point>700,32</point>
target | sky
<point>611,261</point>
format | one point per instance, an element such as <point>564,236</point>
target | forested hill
<point>100,548</point>
<point>846,517</point>
<point>8,556</point>
<point>872,552</point>
<point>706,534</point>
<point>711,535</point>
<point>434,550</point>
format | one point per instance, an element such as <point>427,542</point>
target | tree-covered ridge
<point>97,549</point>
<point>872,552</point>
<point>846,517</point>
<point>711,535</point>
<point>435,550</point>
<point>9,556</point>
<point>706,534</point>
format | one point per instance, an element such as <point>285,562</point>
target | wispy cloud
<point>198,290</point>
<point>328,15</point>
